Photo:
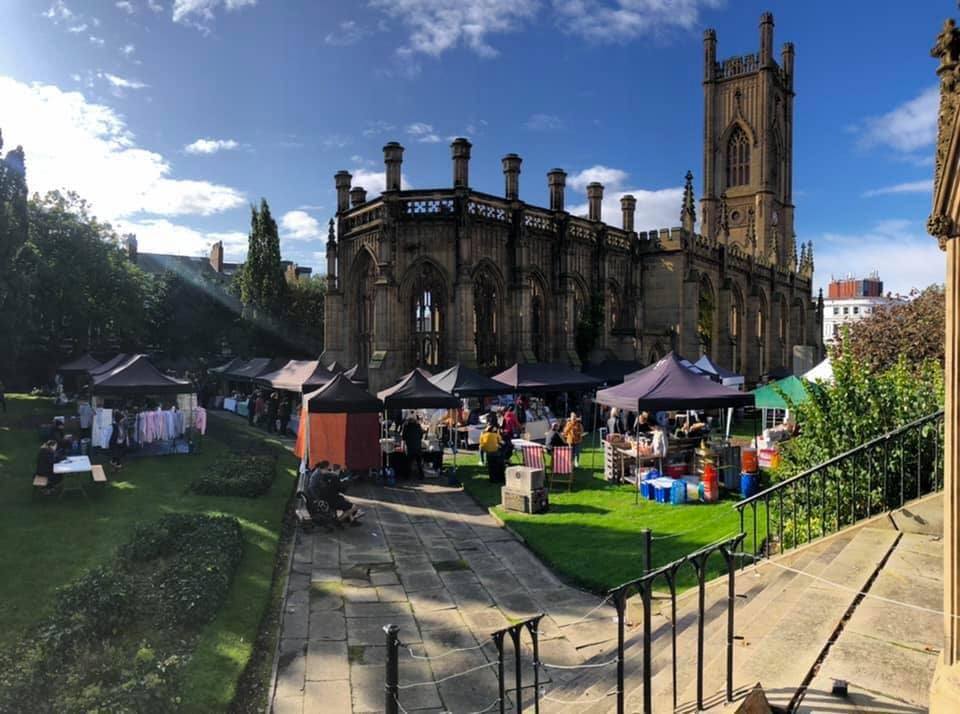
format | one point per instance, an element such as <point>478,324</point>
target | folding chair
<point>562,467</point>
<point>532,456</point>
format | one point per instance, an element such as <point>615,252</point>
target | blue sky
<point>171,116</point>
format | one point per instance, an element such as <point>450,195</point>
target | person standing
<point>251,407</point>
<point>573,435</point>
<point>511,425</point>
<point>283,414</point>
<point>273,410</point>
<point>491,445</point>
<point>118,439</point>
<point>46,458</point>
<point>412,435</point>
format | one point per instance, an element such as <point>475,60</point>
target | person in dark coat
<point>283,414</point>
<point>251,407</point>
<point>46,458</point>
<point>118,439</point>
<point>273,412</point>
<point>412,436</point>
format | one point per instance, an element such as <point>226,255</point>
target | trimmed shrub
<point>248,476</point>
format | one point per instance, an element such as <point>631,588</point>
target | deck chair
<point>532,456</point>
<point>561,471</point>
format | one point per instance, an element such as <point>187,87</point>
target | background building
<point>850,299</point>
<point>432,277</point>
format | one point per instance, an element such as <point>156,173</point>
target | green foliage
<point>170,579</point>
<point>304,307</point>
<point>15,255</point>
<point>914,328</point>
<point>262,283</point>
<point>248,476</point>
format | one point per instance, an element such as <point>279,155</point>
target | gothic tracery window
<point>485,320</point>
<point>736,310</point>
<point>538,321</point>
<point>705,315</point>
<point>738,158</point>
<point>428,318</point>
<point>367,276</point>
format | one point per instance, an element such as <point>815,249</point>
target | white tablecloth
<point>519,443</point>
<point>73,465</point>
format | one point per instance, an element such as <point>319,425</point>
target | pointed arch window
<point>485,320</point>
<point>738,158</point>
<point>367,274</point>
<point>428,318</point>
<point>736,311</point>
<point>538,321</point>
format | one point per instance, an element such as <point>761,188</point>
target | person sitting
<point>412,435</point>
<point>323,485</point>
<point>491,444</point>
<point>46,458</point>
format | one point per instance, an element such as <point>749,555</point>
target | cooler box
<point>678,492</point>
<point>768,459</point>
<point>646,490</point>
<point>675,470</point>
<point>524,478</point>
<point>530,502</point>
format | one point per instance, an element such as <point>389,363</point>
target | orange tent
<point>340,424</point>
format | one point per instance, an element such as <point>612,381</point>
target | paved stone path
<point>431,561</point>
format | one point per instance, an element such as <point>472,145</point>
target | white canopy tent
<point>822,372</point>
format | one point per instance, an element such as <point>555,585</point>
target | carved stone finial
<point>331,236</point>
<point>688,213</point>
<point>723,217</point>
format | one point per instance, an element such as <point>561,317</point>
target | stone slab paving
<point>431,561</point>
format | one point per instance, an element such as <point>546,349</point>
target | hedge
<point>248,475</point>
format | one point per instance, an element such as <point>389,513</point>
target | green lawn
<point>592,535</point>
<point>48,542</point>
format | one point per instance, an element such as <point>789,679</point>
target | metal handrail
<point>739,505</point>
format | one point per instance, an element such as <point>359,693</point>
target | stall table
<point>71,466</point>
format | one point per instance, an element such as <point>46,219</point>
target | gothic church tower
<point>748,148</point>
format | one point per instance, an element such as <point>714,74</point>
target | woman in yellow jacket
<point>573,435</point>
<point>491,445</point>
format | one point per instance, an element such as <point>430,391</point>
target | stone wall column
<point>689,346</point>
<point>723,355</point>
<point>462,325</point>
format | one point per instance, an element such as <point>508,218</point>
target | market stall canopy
<point>138,376</point>
<point>779,373</point>
<point>340,395</point>
<point>336,367</point>
<point>356,375</point>
<point>109,364</point>
<point>291,376</point>
<point>718,373</point>
<point>232,364</point>
<point>771,396</point>
<point>256,368</point>
<point>545,377</point>
<point>416,391</point>
<point>667,384</point>
<point>462,381</point>
<point>822,372</point>
<point>612,371</point>
<point>319,377</point>
<point>81,364</point>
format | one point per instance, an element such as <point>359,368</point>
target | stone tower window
<point>738,158</point>
<point>485,320</point>
<point>736,310</point>
<point>428,318</point>
<point>538,322</point>
<point>367,275</point>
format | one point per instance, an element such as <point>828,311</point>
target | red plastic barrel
<point>749,461</point>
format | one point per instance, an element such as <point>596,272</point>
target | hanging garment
<point>200,420</point>
<point>86,416</point>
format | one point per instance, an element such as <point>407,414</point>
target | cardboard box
<point>536,501</point>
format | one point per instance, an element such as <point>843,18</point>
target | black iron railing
<point>877,476</point>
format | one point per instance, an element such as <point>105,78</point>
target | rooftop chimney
<point>766,39</point>
<point>594,200</point>
<point>342,180</point>
<point>393,159</point>
<point>511,174</point>
<point>628,206</point>
<point>557,181</point>
<point>358,196</point>
<point>460,150</point>
<point>216,256</point>
<point>131,242</point>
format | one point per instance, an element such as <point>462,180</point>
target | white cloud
<point>77,29</point>
<point>438,25</point>
<point>374,128</point>
<point>58,11</point>
<point>925,186</point>
<point>155,5</point>
<point>622,20</point>
<point>300,225</point>
<point>158,235</point>
<point>197,12</point>
<point>120,82</point>
<point>903,254</point>
<point>544,122</point>
<point>655,209</point>
<point>348,33</point>
<point>98,41</point>
<point>128,50</point>
<point>124,5</point>
<point>906,128</point>
<point>210,146</point>
<point>375,182</point>
<point>336,141</point>
<point>423,133</point>
<point>610,178</point>
<point>78,145</point>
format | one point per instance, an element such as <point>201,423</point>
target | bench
<point>40,481</point>
<point>99,476</point>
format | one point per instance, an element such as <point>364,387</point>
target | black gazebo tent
<point>357,376</point>
<point>110,364</point>
<point>138,376</point>
<point>321,376</point>
<point>667,384</point>
<point>541,377</point>
<point>224,368</point>
<point>255,368</point>
<point>415,391</point>
<point>80,365</point>
<point>462,381</point>
<point>341,396</point>
<point>612,371</point>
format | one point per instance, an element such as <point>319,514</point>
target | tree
<point>304,312</point>
<point>15,256</point>
<point>262,284</point>
<point>914,328</point>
